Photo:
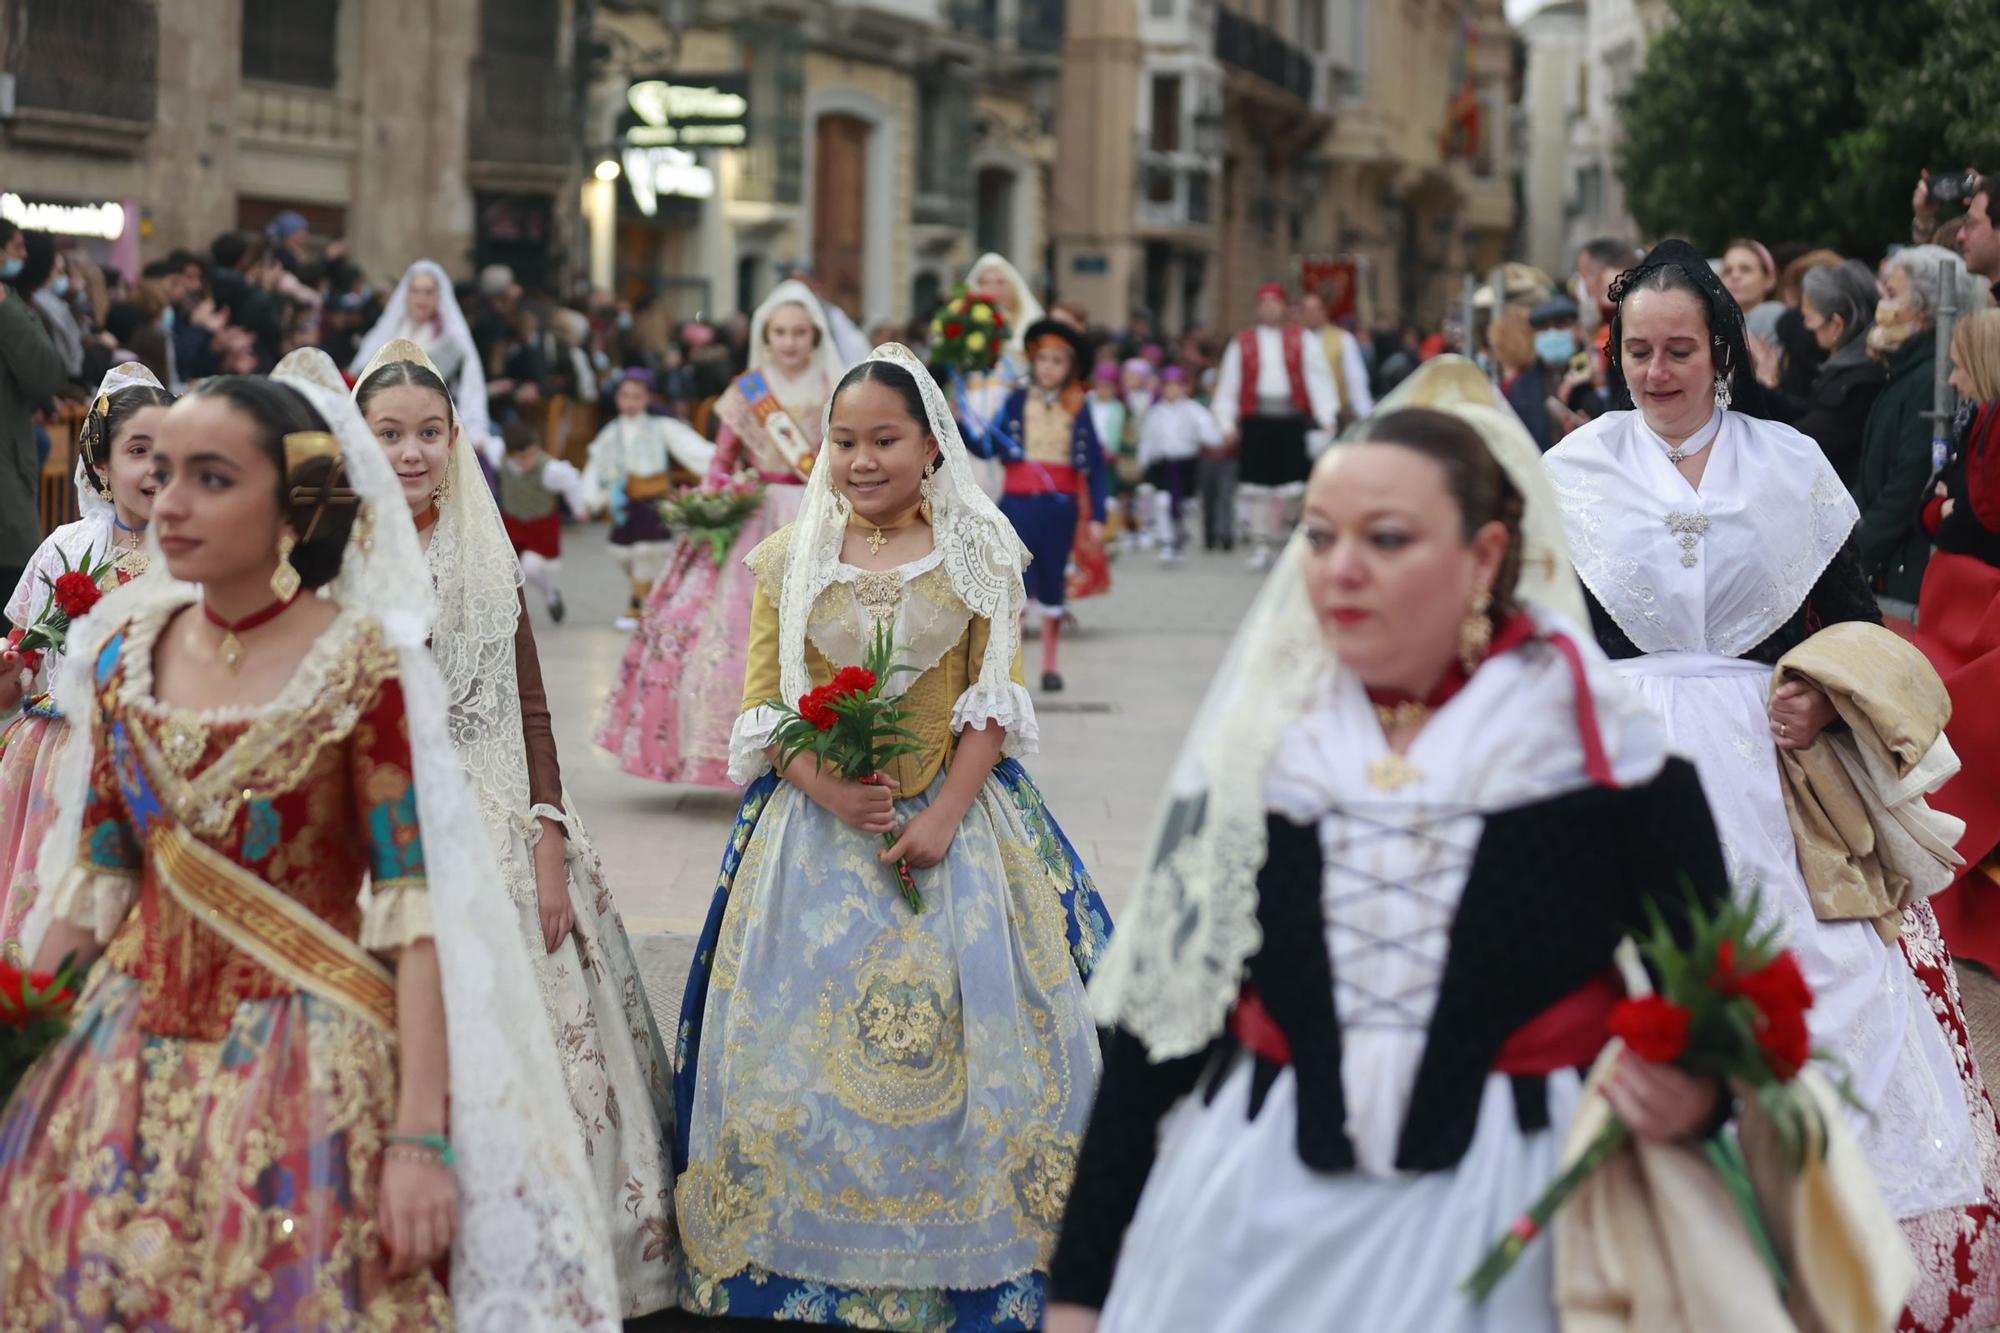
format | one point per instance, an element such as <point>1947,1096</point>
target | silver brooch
<point>1689,528</point>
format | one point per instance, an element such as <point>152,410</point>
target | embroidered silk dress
<point>674,702</point>
<point>1696,593</point>
<point>231,1070</point>
<point>880,1109</point>
<point>31,747</point>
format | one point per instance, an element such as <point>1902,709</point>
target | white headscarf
<point>469,393</point>
<point>90,502</point>
<point>532,1249</point>
<point>982,556</point>
<point>1176,963</point>
<point>826,357</point>
<point>477,578</point>
<point>1026,308</point>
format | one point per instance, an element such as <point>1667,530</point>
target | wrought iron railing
<point>95,57</point>
<point>1255,49</point>
<point>520,109</point>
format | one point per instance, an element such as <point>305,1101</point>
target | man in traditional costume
<point>1275,386</point>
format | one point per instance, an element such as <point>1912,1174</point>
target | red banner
<point>1334,278</point>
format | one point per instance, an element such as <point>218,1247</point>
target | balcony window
<point>520,102</point>
<point>95,57</point>
<point>1041,26</point>
<point>772,169</point>
<point>289,43</point>
<point>976,18</point>
<point>1166,131</point>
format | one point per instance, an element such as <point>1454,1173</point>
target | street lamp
<point>607,170</point>
<point>1208,127</point>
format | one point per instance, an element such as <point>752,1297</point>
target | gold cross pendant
<point>876,541</point>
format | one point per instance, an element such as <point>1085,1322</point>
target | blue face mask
<point>61,285</point>
<point>1555,346</point>
<point>11,268</point>
<point>624,319</point>
<point>167,319</point>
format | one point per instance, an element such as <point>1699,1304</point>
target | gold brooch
<point>1398,717</point>
<point>183,741</point>
<point>1392,772</point>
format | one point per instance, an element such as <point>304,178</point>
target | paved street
<point>1135,672</point>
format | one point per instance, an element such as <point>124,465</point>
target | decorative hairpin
<point>302,446</point>
<point>102,405</point>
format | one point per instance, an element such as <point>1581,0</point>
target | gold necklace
<point>878,537</point>
<point>1409,713</point>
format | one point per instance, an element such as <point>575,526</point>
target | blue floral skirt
<point>880,1129</point>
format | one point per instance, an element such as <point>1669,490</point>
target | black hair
<point>7,230</point>
<point>517,436</point>
<point>100,429</point>
<point>314,497</point>
<point>228,249</point>
<point>1474,477</point>
<point>123,320</point>
<point>1676,266</point>
<point>41,261</point>
<point>1609,251</point>
<point>161,268</point>
<point>398,374</point>
<point>180,259</point>
<point>893,376</point>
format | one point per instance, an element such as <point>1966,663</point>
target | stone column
<point>1097,253</point>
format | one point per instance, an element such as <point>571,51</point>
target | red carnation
<point>815,710</point>
<point>999,317</point>
<point>954,330</point>
<point>76,593</point>
<point>1653,1026</point>
<point>31,659</point>
<point>852,681</point>
<point>1783,1038</point>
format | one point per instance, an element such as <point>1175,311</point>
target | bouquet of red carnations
<point>1730,1005</point>
<point>72,593</point>
<point>34,1011</point>
<point>968,333</point>
<point>853,730</point>
<point>714,516</point>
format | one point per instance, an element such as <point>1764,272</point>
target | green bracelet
<point>437,1143</point>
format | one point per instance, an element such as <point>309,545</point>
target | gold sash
<point>272,929</point>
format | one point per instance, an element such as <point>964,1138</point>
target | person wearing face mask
<point>46,277</point>
<point>30,371</point>
<point>1895,470</point>
<point>1837,306</point>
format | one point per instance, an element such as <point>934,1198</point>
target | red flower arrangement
<point>34,1012</point>
<point>1731,1005</point>
<point>30,658</point>
<point>853,730</point>
<point>72,594</point>
<point>968,333</point>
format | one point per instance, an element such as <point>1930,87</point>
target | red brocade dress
<point>203,1148</point>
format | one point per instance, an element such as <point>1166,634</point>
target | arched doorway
<point>840,208</point>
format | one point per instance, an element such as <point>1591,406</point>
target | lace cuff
<point>397,914</point>
<point>1010,705</point>
<point>95,899</point>
<point>748,740</point>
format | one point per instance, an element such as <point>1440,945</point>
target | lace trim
<point>1010,705</point>
<point>748,741</point>
<point>397,914</point>
<point>96,899</point>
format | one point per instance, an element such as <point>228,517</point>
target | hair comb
<point>302,446</point>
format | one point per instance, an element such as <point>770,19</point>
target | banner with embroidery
<point>768,431</point>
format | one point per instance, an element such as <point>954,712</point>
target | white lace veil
<point>826,356</point>
<point>469,393</point>
<point>532,1250</point>
<point>1175,964</point>
<point>1027,309</point>
<point>90,502</point>
<point>311,364</point>
<point>982,556</point>
<point>477,578</point>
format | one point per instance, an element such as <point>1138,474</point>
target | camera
<point>1954,187</point>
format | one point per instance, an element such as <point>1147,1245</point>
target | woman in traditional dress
<point>114,495</point>
<point>978,398</point>
<point>675,701</point>
<point>1711,543</point>
<point>1410,826</point>
<point>424,310</point>
<point>614,1067</point>
<point>879,1108</point>
<point>301,1102</point>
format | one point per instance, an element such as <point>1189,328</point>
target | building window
<point>995,222</point>
<point>749,282</point>
<point>944,152</point>
<point>284,42</point>
<point>1311,19</point>
<point>94,56</point>
<point>520,103</point>
<point>772,169</point>
<point>1166,133</point>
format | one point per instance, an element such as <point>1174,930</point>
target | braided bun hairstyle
<point>1475,480</point>
<point>99,431</point>
<point>313,497</point>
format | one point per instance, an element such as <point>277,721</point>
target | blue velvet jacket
<point>1005,436</point>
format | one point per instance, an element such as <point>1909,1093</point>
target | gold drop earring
<point>1475,633</point>
<point>928,489</point>
<point>285,578</point>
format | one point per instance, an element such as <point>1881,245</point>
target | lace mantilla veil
<point>1175,964</point>
<point>90,502</point>
<point>982,557</point>
<point>470,391</point>
<point>532,1250</point>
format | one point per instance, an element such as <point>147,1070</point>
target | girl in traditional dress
<point>1057,479</point>
<point>424,310</point>
<point>114,495</point>
<point>631,467</point>
<point>1374,945</point>
<point>300,1101</point>
<point>614,1067</point>
<point>1711,543</point>
<point>879,1109</point>
<point>675,701</point>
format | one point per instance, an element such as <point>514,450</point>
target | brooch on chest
<point>1392,772</point>
<point>1688,527</point>
<point>183,741</point>
<point>880,592</point>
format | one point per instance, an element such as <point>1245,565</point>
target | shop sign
<point>654,172</point>
<point>105,221</point>
<point>690,111</point>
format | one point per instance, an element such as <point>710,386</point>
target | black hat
<point>1555,310</point>
<point>1042,329</point>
